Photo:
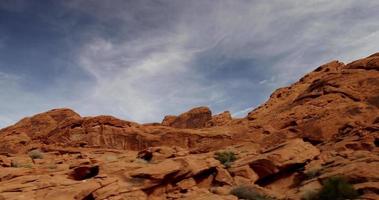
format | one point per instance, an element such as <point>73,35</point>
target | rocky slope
<point>324,125</point>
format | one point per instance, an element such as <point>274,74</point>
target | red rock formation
<point>194,118</point>
<point>325,124</point>
<point>323,103</point>
<point>33,128</point>
<point>69,129</point>
<point>220,119</point>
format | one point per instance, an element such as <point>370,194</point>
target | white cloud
<point>243,112</point>
<point>144,86</point>
<point>146,77</point>
<point>144,55</point>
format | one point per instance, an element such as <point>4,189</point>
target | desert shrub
<point>226,157</point>
<point>15,164</point>
<point>313,173</point>
<point>310,195</point>
<point>334,188</point>
<point>248,193</point>
<point>51,166</point>
<point>35,154</point>
<point>21,165</point>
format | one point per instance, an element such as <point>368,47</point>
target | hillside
<point>324,125</point>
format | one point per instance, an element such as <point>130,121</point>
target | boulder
<point>158,171</point>
<point>223,176</point>
<point>245,172</point>
<point>294,153</point>
<point>186,184</point>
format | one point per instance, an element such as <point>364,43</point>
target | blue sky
<point>140,60</point>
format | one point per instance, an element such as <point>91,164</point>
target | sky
<point>141,60</point>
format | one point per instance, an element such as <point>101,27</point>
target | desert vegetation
<point>333,188</point>
<point>35,154</point>
<point>226,157</point>
<point>248,193</point>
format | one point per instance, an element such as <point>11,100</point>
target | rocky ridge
<point>324,125</point>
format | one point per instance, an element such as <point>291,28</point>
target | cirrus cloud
<point>140,60</point>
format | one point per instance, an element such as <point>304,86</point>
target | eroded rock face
<point>15,137</point>
<point>220,119</point>
<point>322,104</point>
<point>326,124</point>
<point>156,154</point>
<point>168,120</point>
<point>194,118</point>
<point>294,153</point>
<point>105,132</point>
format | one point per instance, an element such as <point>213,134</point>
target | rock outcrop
<point>324,125</point>
<point>324,103</point>
<point>220,119</point>
<point>33,128</point>
<point>194,118</point>
<point>108,132</point>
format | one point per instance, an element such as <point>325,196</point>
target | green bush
<point>313,173</point>
<point>248,193</point>
<point>35,154</point>
<point>334,188</point>
<point>226,157</point>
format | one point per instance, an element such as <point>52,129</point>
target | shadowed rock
<point>85,172</point>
